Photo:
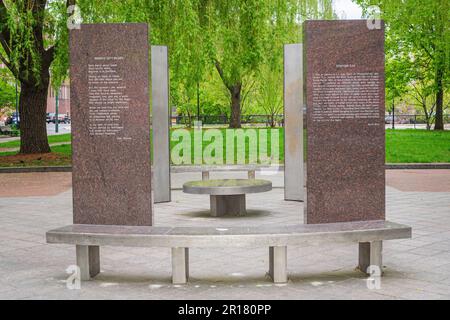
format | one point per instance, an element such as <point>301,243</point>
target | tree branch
<point>417,90</point>
<point>5,34</point>
<point>38,9</point>
<point>246,92</point>
<point>10,67</point>
<point>49,54</point>
<point>417,98</point>
<point>221,74</point>
<point>5,62</point>
<point>4,44</point>
<point>2,11</point>
<point>427,51</point>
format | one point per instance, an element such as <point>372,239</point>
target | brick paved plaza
<point>31,204</point>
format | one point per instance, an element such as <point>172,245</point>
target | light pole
<point>56,111</point>
<point>393,114</point>
<point>17,103</point>
<point>198,101</point>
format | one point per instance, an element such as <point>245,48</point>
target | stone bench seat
<point>89,238</point>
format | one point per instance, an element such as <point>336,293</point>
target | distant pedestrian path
<point>16,149</point>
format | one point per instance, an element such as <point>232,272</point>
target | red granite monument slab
<point>345,97</point>
<point>110,124</point>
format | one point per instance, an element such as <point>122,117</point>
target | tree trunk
<point>272,120</point>
<point>427,114</point>
<point>189,120</point>
<point>428,121</point>
<point>235,118</point>
<point>34,88</point>
<point>439,120</point>
<point>32,111</point>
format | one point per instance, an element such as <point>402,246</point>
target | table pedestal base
<point>228,205</point>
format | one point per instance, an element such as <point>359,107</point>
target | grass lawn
<point>248,154</point>
<point>417,146</point>
<point>51,139</point>
<point>402,146</point>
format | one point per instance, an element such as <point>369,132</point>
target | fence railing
<point>259,119</point>
<point>413,120</point>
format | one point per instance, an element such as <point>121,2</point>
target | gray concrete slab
<point>413,269</point>
<point>293,126</point>
<point>160,124</point>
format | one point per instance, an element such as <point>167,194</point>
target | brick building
<point>64,99</point>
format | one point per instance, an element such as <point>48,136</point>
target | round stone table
<point>227,196</point>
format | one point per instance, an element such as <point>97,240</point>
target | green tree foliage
<point>417,47</point>
<point>246,46</point>
<point>228,53</point>
<point>225,42</point>
<point>7,90</point>
<point>30,36</point>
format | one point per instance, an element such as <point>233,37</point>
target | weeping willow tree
<point>232,39</point>
<point>245,43</point>
<point>172,23</point>
<point>30,34</point>
<point>284,28</point>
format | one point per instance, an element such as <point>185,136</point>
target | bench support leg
<point>278,264</point>
<point>205,175</point>
<point>370,254</point>
<point>88,260</point>
<point>233,205</point>
<point>180,265</point>
<point>252,174</point>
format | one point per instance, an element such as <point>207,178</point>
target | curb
<point>417,166</point>
<point>35,169</point>
<point>177,169</point>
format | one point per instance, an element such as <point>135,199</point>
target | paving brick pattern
<point>414,269</point>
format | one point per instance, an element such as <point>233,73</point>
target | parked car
<point>15,118</point>
<point>67,118</point>
<point>62,118</point>
<point>8,121</point>
<point>49,117</point>
<point>388,119</point>
<point>403,121</point>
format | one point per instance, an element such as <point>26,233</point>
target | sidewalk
<point>63,129</point>
<point>416,268</point>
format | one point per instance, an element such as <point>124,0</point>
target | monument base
<point>371,256</point>
<point>88,260</point>
<point>228,205</point>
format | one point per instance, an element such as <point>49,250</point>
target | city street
<point>63,128</point>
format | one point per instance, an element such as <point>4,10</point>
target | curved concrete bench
<point>89,238</point>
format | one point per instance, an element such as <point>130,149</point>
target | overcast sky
<point>347,9</point>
